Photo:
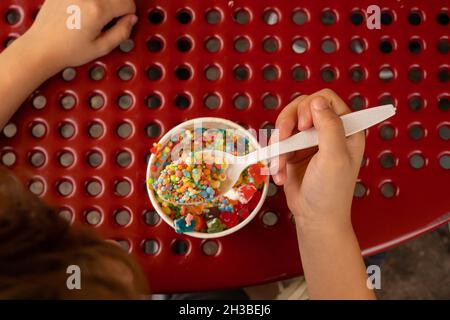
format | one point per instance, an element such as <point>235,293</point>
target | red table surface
<point>258,253</point>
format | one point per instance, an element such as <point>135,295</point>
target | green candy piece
<point>214,225</point>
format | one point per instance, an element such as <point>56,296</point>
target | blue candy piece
<point>181,227</point>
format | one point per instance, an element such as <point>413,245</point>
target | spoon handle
<point>353,122</point>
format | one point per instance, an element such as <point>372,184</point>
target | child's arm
<point>319,190</point>
<point>49,46</point>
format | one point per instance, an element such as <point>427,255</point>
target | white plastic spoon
<point>353,122</point>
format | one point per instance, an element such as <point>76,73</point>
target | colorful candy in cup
<point>176,182</point>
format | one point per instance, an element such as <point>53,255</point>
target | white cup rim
<point>196,234</point>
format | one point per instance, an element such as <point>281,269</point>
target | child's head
<point>37,246</point>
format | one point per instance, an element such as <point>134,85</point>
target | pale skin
<point>318,189</point>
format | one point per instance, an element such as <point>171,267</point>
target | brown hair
<point>37,246</point>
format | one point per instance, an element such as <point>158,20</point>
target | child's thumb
<point>329,127</point>
<point>120,32</point>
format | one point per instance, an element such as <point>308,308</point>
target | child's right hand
<point>319,186</point>
<point>50,38</point>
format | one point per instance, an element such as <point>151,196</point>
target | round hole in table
<point>124,158</point>
<point>94,217</point>
<point>67,130</point>
<point>388,189</point>
<point>10,130</point>
<point>416,132</point>
<point>443,74</point>
<point>97,101</point>
<point>184,16</point>
<point>69,74</point>
<point>39,102</point>
<point>213,16</point>
<point>123,188</point>
<point>241,72</point>
<point>154,101</point>
<point>65,187</point>
<point>242,44</point>
<point>37,186</point>
<point>213,73</point>
<point>360,190</point>
<point>156,16</point>
<point>271,44</point>
<point>180,247</point>
<point>212,101</point>
<point>417,161</point>
<point>124,130</point>
<point>154,73</point>
<point>299,73</point>
<point>13,16</point>
<point>66,158</point>
<point>270,218</point>
<point>210,247</point>
<point>387,132</point>
<point>444,132</point>
<point>443,45</point>
<point>155,44</point>
<point>329,45</point>
<point>127,46</point>
<point>357,74</point>
<point>300,45</point>
<point>123,217</point>
<point>328,17</point>
<point>8,158</point>
<point>38,129</point>
<point>387,160</point>
<point>213,44</point>
<point>184,44</point>
<point>271,17</point>
<point>94,158</point>
<point>94,187</point>
<point>151,246</point>
<point>151,217</point>
<point>416,102</point>
<point>183,72</point>
<point>67,101</point>
<point>37,158</point>
<point>97,72</point>
<point>126,72</point>
<point>242,16</point>
<point>241,101</point>
<point>270,73</point>
<point>300,17</point>
<point>358,45</point>
<point>270,101</point>
<point>125,101</point>
<point>444,161</point>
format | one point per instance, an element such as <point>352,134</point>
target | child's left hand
<point>60,47</point>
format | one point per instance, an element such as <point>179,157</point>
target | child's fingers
<point>355,145</point>
<point>116,35</point>
<point>304,115</point>
<point>118,8</point>
<point>285,124</point>
<point>330,130</point>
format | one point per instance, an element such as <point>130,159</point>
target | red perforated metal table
<point>81,141</point>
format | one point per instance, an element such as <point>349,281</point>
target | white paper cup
<point>208,123</point>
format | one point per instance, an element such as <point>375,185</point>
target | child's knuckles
<point>327,93</point>
<point>94,9</point>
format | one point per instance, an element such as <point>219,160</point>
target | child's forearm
<point>332,261</point>
<point>21,72</point>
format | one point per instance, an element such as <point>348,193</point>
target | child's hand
<point>50,37</point>
<point>319,187</point>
